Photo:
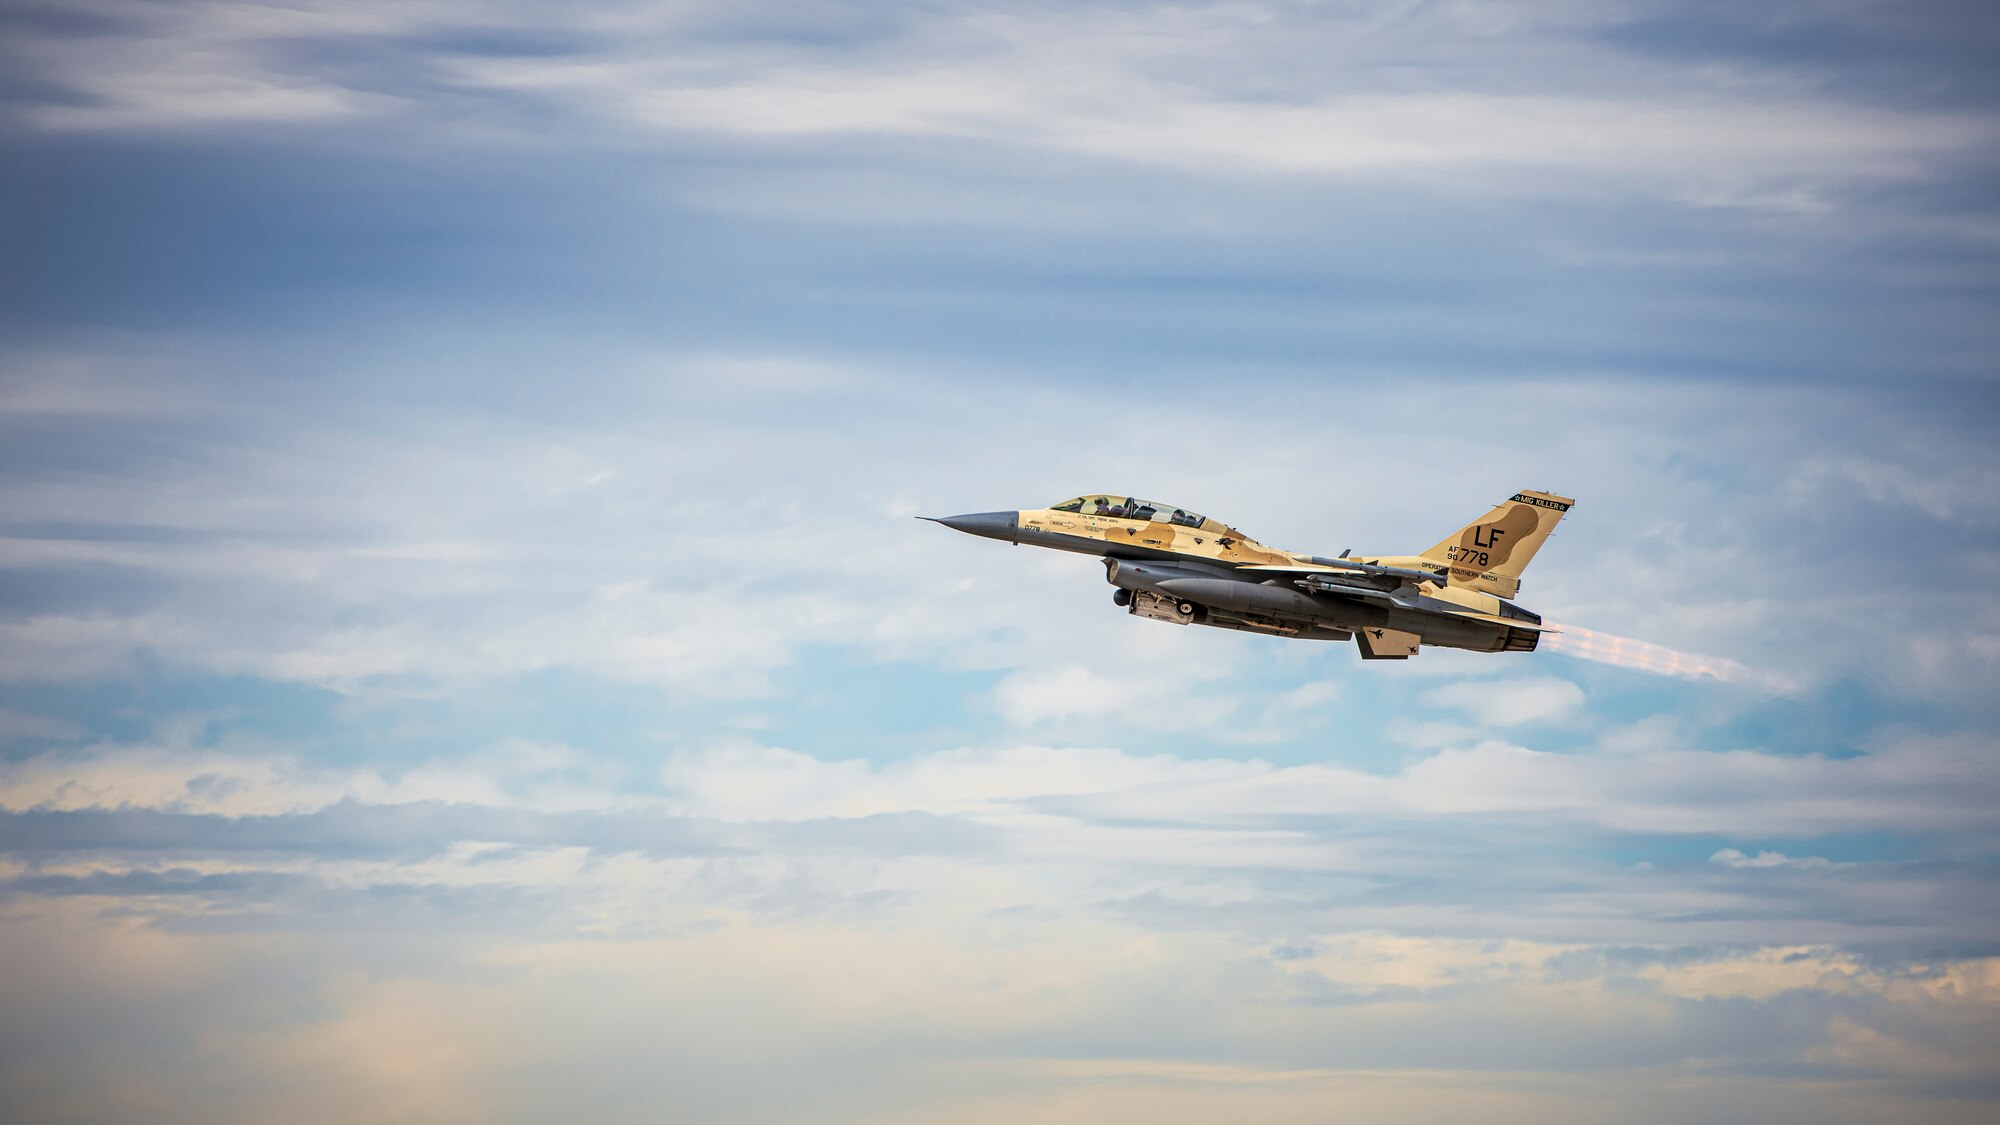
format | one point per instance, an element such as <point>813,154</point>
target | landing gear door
<point>1386,644</point>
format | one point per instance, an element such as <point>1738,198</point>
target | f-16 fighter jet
<point>1170,564</point>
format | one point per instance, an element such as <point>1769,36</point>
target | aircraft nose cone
<point>993,525</point>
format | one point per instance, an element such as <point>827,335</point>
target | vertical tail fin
<point>1490,554</point>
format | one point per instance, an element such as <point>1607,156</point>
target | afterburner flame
<point>1589,644</point>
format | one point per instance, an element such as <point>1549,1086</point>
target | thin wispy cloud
<point>1426,90</point>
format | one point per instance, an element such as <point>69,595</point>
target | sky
<point>466,654</point>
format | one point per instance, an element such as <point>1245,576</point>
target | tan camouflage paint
<point>1509,535</point>
<point>1490,553</point>
<point>1209,541</point>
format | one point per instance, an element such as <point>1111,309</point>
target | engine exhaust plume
<point>1624,652</point>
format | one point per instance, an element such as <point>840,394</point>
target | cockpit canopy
<point>1133,508</point>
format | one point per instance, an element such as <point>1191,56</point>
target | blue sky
<point>466,654</point>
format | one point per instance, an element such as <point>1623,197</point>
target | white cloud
<point>1211,925</point>
<point>931,1017</point>
<point>1909,785</point>
<point>1731,857</point>
<point>178,774</point>
<point>1191,88</point>
<point>369,556</point>
<point>1510,703</point>
<point>757,783</point>
<point>1060,693</point>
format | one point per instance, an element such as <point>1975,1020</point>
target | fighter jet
<point>1170,564</point>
